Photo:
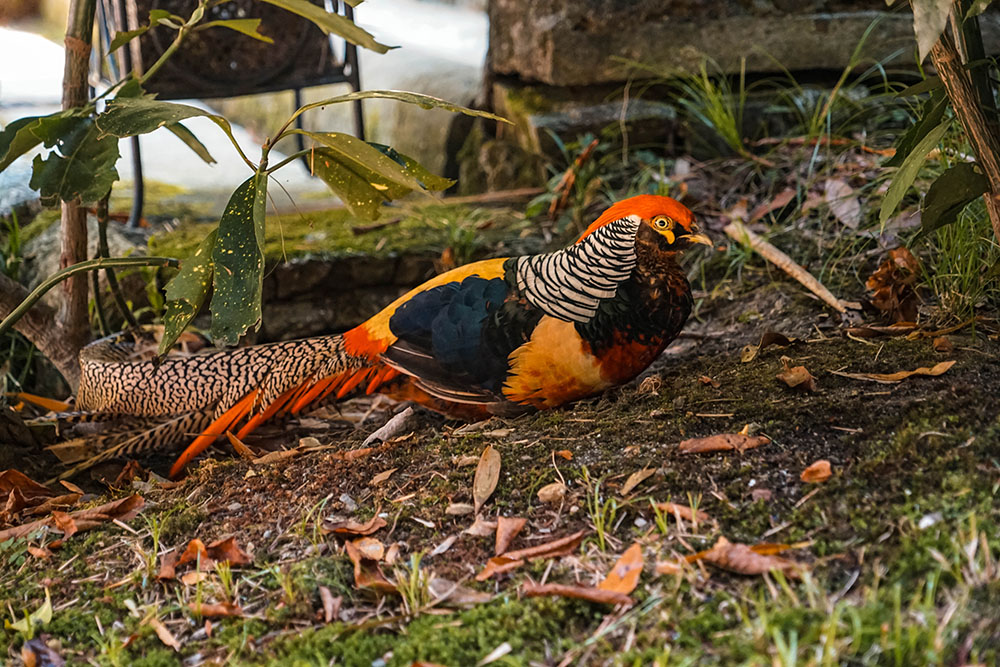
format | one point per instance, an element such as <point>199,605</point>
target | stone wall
<point>586,42</point>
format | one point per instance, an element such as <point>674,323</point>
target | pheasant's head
<point>663,221</point>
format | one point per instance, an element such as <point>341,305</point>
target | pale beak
<point>698,238</point>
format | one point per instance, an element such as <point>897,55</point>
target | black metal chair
<point>219,62</point>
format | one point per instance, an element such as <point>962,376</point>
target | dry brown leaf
<point>64,523</point>
<point>552,494</point>
<point>481,528</point>
<point>14,479</point>
<point>742,559</point>
<point>817,472</point>
<point>57,503</point>
<point>353,527</point>
<point>452,594</point>
<point>215,610</point>
<point>565,453</point>
<point>943,344</point>
<point>704,379</point>
<point>891,378</point>
<point>892,286</point>
<point>196,553</point>
<point>367,573</point>
<point>355,454</point>
<point>769,338</point>
<point>72,487</point>
<point>193,578</point>
<point>163,633</point>
<point>81,520</point>
<point>578,592</point>
<point>507,530</point>
<point>168,565</point>
<point>780,200</point>
<point>722,442</point>
<point>382,477</point>
<point>459,509</point>
<point>487,476</point>
<point>635,479</point>
<point>668,567</point>
<point>331,604</point>
<point>796,377</point>
<point>843,203</point>
<point>498,565</point>
<point>39,552</point>
<point>682,511</point>
<point>226,550</point>
<point>241,449</point>
<point>558,547</point>
<point>276,457</point>
<point>624,576</point>
<point>370,548</point>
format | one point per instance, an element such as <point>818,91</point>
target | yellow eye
<point>662,222</point>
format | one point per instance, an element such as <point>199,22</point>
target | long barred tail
<point>212,393</point>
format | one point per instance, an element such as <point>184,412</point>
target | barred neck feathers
<point>569,284</point>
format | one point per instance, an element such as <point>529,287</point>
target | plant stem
<point>81,267</point>
<point>102,251</point>
<point>291,158</point>
<point>965,101</point>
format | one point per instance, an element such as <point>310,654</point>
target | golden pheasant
<point>498,336</point>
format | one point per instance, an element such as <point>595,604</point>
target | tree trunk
<point>965,101</point>
<point>72,318</point>
<point>39,326</point>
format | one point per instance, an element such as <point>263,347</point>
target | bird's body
<point>498,336</point>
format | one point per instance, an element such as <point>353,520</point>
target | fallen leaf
<point>943,344</point>
<point>227,551</point>
<point>796,377</point>
<point>465,460</point>
<point>449,593</point>
<point>370,548</point>
<point>558,547</point>
<point>57,503</point>
<point>498,565</point>
<point>780,200</point>
<point>682,511</point>
<point>624,576</point>
<point>382,477</point>
<point>842,201</point>
<point>64,523</point>
<point>39,552</point>
<point>241,449</point>
<point>892,286</point>
<point>481,528</point>
<point>168,565</point>
<point>195,552</point>
<point>507,530</point>
<point>353,527</point>
<point>71,487</point>
<point>14,479</point>
<point>276,457</point>
<point>635,479</point>
<point>565,454</point>
<point>215,610</point>
<point>704,379</point>
<point>598,595</point>
<point>331,604</point>
<point>722,442</point>
<point>444,546</point>
<point>552,494</point>
<point>817,472</point>
<point>36,653</point>
<point>192,578</point>
<point>130,472</point>
<point>459,509</point>
<point>742,559</point>
<point>668,567</point>
<point>769,338</point>
<point>366,571</point>
<point>392,554</point>
<point>390,428</point>
<point>487,476</point>
<point>494,655</point>
<point>891,378</point>
<point>355,454</point>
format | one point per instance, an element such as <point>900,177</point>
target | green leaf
<point>161,15</point>
<point>908,171</point>
<point>361,190</point>
<point>23,134</point>
<point>41,616</point>
<point>123,38</point>
<point>930,117</point>
<point>423,101</point>
<point>186,292</point>
<point>246,26</point>
<point>81,166</point>
<point>125,117</point>
<point>977,8</point>
<point>427,179</point>
<point>927,85</point>
<point>187,136</point>
<point>332,23</point>
<point>238,256</point>
<point>953,190</point>
<point>360,156</point>
<point>929,19</point>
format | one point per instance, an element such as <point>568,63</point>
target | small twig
<point>102,251</point>
<point>737,231</point>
